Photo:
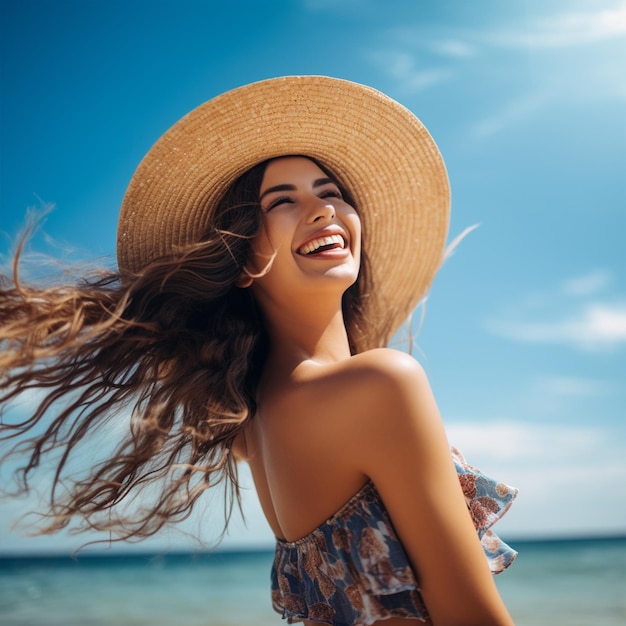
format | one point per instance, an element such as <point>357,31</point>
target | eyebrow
<point>317,183</point>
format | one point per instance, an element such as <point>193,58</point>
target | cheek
<point>277,232</point>
<point>354,222</point>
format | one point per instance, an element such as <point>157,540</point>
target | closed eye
<point>331,193</point>
<point>276,201</point>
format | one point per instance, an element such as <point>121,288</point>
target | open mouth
<point>321,244</point>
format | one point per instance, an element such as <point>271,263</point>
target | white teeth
<point>314,244</point>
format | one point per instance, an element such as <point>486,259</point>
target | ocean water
<point>552,583</point>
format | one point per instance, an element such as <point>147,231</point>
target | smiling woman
<point>309,235</point>
<point>269,245</point>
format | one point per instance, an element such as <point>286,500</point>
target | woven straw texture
<point>377,148</point>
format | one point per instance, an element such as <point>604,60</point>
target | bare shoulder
<point>376,404</point>
<point>400,443</point>
<point>391,385</point>
<point>374,415</point>
<point>388,367</point>
<point>384,361</point>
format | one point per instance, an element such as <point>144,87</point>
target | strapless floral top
<point>352,570</point>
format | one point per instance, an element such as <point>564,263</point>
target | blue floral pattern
<point>352,570</point>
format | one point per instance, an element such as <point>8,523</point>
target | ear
<point>245,280</point>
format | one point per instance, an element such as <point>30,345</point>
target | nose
<point>320,210</point>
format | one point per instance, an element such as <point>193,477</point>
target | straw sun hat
<point>376,147</point>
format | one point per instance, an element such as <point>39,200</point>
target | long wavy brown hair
<point>156,370</point>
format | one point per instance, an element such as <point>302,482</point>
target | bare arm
<point>403,447</point>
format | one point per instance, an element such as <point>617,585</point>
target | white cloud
<point>418,57</point>
<point>595,319</point>
<point>453,48</point>
<point>420,37</point>
<point>401,66</point>
<point>574,387</point>
<point>567,29</point>
<point>556,468</point>
<point>587,284</point>
<point>598,326</point>
<point>515,441</point>
<point>514,113</point>
<point>564,72</point>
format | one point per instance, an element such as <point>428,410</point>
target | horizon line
<point>120,553</point>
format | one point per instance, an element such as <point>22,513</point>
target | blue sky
<point>524,337</point>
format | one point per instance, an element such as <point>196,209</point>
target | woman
<point>269,245</point>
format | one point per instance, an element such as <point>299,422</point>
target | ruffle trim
<point>487,500</point>
<point>353,569</point>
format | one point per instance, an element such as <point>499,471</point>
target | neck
<point>310,333</point>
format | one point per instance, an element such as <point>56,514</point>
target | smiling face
<point>312,233</point>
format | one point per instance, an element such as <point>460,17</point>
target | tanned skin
<point>329,421</point>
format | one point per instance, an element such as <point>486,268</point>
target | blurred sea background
<point>552,583</point>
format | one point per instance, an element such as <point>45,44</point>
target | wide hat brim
<point>376,147</point>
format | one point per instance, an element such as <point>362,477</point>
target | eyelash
<point>328,193</point>
<point>334,193</point>
<point>277,201</point>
